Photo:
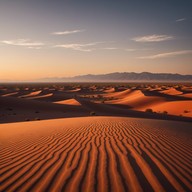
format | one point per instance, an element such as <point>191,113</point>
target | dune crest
<point>34,93</point>
<point>9,94</point>
<point>68,102</point>
<point>137,100</point>
<point>172,91</point>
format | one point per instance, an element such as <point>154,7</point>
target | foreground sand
<point>96,154</point>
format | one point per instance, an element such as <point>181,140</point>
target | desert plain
<point>96,137</point>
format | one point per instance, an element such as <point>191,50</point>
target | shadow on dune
<point>39,103</point>
<point>166,96</point>
<point>113,110</point>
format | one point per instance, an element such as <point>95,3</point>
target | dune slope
<point>68,102</point>
<point>96,154</point>
<point>137,100</point>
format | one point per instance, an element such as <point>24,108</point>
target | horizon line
<point>46,79</point>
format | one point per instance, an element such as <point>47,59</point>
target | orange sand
<point>172,91</point>
<point>9,94</point>
<point>41,96</point>
<point>23,104</point>
<point>119,94</point>
<point>96,154</point>
<point>175,108</point>
<point>34,93</point>
<point>68,102</point>
<point>137,100</point>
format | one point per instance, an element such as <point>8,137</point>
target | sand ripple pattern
<point>96,154</point>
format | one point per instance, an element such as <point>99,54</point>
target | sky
<point>62,38</point>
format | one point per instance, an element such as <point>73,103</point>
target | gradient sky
<point>61,38</point>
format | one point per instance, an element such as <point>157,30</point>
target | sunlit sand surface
<point>95,138</point>
<point>96,154</point>
<point>69,102</point>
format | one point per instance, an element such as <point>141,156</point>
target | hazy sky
<point>58,38</point>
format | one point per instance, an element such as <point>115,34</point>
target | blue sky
<point>47,38</point>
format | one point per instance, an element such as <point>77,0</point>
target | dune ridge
<point>172,91</point>
<point>136,99</point>
<point>68,102</point>
<point>32,94</point>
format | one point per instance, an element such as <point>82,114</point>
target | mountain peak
<point>124,77</point>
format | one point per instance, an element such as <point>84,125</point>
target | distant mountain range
<point>123,77</point>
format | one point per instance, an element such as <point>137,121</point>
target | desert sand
<point>68,102</point>
<point>85,137</point>
<point>28,102</point>
<point>96,154</point>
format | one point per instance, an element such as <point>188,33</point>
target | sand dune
<point>19,109</point>
<point>55,100</point>
<point>34,93</point>
<point>41,96</point>
<point>52,96</point>
<point>73,90</point>
<point>172,91</point>
<point>186,89</point>
<point>16,93</point>
<point>68,102</point>
<point>118,94</point>
<point>137,100</point>
<point>175,108</point>
<point>187,95</point>
<point>9,94</point>
<point>110,90</point>
<point>96,154</point>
